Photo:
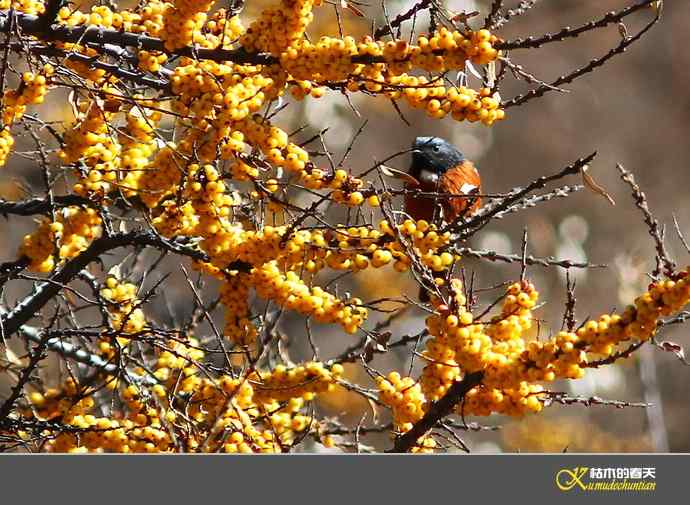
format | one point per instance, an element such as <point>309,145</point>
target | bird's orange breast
<point>462,180</point>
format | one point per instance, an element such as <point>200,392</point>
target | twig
<point>669,266</point>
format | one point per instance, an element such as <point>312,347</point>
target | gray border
<point>323,479</point>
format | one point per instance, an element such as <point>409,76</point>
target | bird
<point>439,168</point>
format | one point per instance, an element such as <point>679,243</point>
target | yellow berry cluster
<point>89,73</point>
<point>32,7</point>
<point>278,28</point>
<point>151,61</point>
<point>95,151</point>
<point>222,30</point>
<point>336,60</point>
<point>343,59</point>
<point>149,20</point>
<point>303,381</point>
<point>243,423</point>
<point>407,402</point>
<point>182,22</point>
<point>161,176</point>
<point>512,365</point>
<point>353,248</point>
<point>274,144</point>
<point>71,233</point>
<point>567,354</point>
<point>460,102</point>
<point>218,93</point>
<point>175,363</point>
<point>260,412</point>
<point>461,346</point>
<point>234,294</point>
<point>57,402</point>
<point>32,90</point>
<point>277,258</point>
<point>138,144</point>
<point>290,291</point>
<point>6,145</point>
<point>126,316</point>
<point>145,19</point>
<point>72,404</point>
<point>483,400</point>
<point>202,209</point>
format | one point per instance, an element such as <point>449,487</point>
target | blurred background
<point>634,111</point>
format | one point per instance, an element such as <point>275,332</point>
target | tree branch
<point>438,410</point>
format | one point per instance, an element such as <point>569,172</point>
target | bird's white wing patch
<point>428,177</point>
<point>466,188</point>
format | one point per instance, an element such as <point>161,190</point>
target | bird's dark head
<point>432,157</point>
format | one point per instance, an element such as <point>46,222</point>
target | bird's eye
<point>436,149</point>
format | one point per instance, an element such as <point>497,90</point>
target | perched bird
<point>439,167</point>
<point>438,171</point>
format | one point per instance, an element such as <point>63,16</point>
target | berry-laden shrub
<point>174,142</point>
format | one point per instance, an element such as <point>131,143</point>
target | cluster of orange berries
<point>175,365</point>
<point>218,93</point>
<point>161,176</point>
<point>290,291</point>
<point>303,381</point>
<point>31,7</point>
<point>567,354</point>
<point>273,142</point>
<point>89,73</point>
<point>276,258</point>
<point>123,306</point>
<point>408,404</point>
<point>511,365</point>
<point>343,59</point>
<point>515,402</point>
<point>72,232</point>
<point>151,61</point>
<point>148,20</point>
<point>58,402</point>
<point>354,248</point>
<point>183,21</point>
<point>244,421</point>
<point>203,208</point>
<point>73,404</point>
<point>460,102</point>
<point>222,30</point>
<point>101,434</point>
<point>6,145</point>
<point>91,144</point>
<point>32,90</point>
<point>278,28</point>
<point>460,345</point>
<point>336,60</point>
<point>234,295</point>
<point>138,144</point>
<point>259,412</point>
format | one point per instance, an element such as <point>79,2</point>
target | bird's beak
<point>399,174</point>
